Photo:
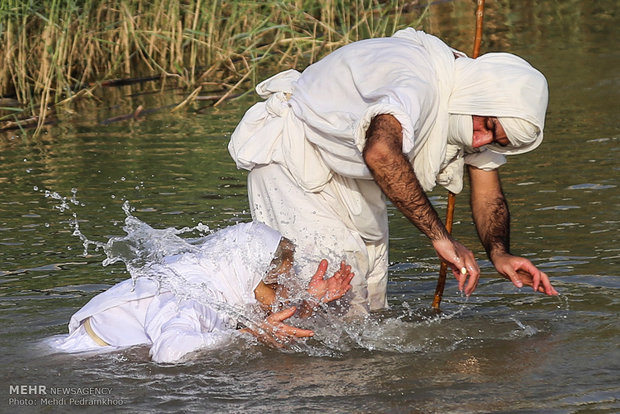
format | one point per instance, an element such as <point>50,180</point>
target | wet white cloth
<point>322,227</point>
<point>313,126</point>
<point>188,303</point>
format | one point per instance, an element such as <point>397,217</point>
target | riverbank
<point>56,51</point>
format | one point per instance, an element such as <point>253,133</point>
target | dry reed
<point>51,49</point>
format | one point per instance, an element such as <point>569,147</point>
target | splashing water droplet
<point>143,248</point>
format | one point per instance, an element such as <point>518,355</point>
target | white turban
<point>507,87</point>
<point>461,131</point>
<point>523,136</point>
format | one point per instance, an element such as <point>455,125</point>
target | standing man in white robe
<point>391,117</point>
<point>194,300</point>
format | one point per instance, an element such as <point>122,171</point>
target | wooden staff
<point>441,282</point>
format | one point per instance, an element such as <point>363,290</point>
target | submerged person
<point>391,117</point>
<point>193,300</point>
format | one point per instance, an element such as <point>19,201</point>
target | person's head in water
<point>282,262</point>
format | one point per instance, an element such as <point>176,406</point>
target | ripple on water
<point>589,186</point>
<point>559,207</point>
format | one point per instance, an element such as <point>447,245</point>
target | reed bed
<point>54,50</point>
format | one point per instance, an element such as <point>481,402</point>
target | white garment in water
<point>185,304</point>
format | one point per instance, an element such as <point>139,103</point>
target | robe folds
<point>189,301</point>
<point>303,145</point>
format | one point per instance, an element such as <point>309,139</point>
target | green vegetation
<point>53,50</point>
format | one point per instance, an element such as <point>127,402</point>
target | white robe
<point>304,145</point>
<point>188,304</point>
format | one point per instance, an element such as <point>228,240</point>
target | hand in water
<point>458,257</point>
<point>521,272</point>
<point>273,332</point>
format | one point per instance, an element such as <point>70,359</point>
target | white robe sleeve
<point>485,160</point>
<point>338,96</point>
<point>180,328</point>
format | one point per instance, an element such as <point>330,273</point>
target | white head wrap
<point>496,84</point>
<point>523,136</point>
<point>237,258</point>
<point>507,87</point>
<point>461,131</point>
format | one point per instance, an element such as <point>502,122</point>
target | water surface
<point>502,350</point>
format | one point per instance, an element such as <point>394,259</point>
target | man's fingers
<point>474,276</point>
<point>320,272</point>
<point>282,315</point>
<point>536,280</point>
<point>267,335</point>
<point>541,282</point>
<point>514,278</point>
<point>456,265</point>
<point>343,271</point>
<point>534,275</point>
<point>460,272</point>
<point>462,275</point>
<point>347,280</point>
<point>471,286</point>
<point>461,278</point>
<point>276,334</point>
<point>285,332</point>
<point>296,332</point>
<point>544,285</point>
<point>464,266</point>
<point>548,288</point>
<point>526,277</point>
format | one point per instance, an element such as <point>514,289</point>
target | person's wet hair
<point>284,254</point>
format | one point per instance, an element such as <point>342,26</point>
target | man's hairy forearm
<point>396,178</point>
<point>493,224</point>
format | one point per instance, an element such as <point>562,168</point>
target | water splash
<point>143,245</point>
<point>524,330</point>
<point>143,248</point>
<point>64,201</point>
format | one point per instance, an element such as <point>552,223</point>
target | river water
<point>502,350</point>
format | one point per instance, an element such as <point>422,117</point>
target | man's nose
<point>481,138</point>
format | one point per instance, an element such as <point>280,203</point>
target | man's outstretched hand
<point>521,272</point>
<point>333,288</point>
